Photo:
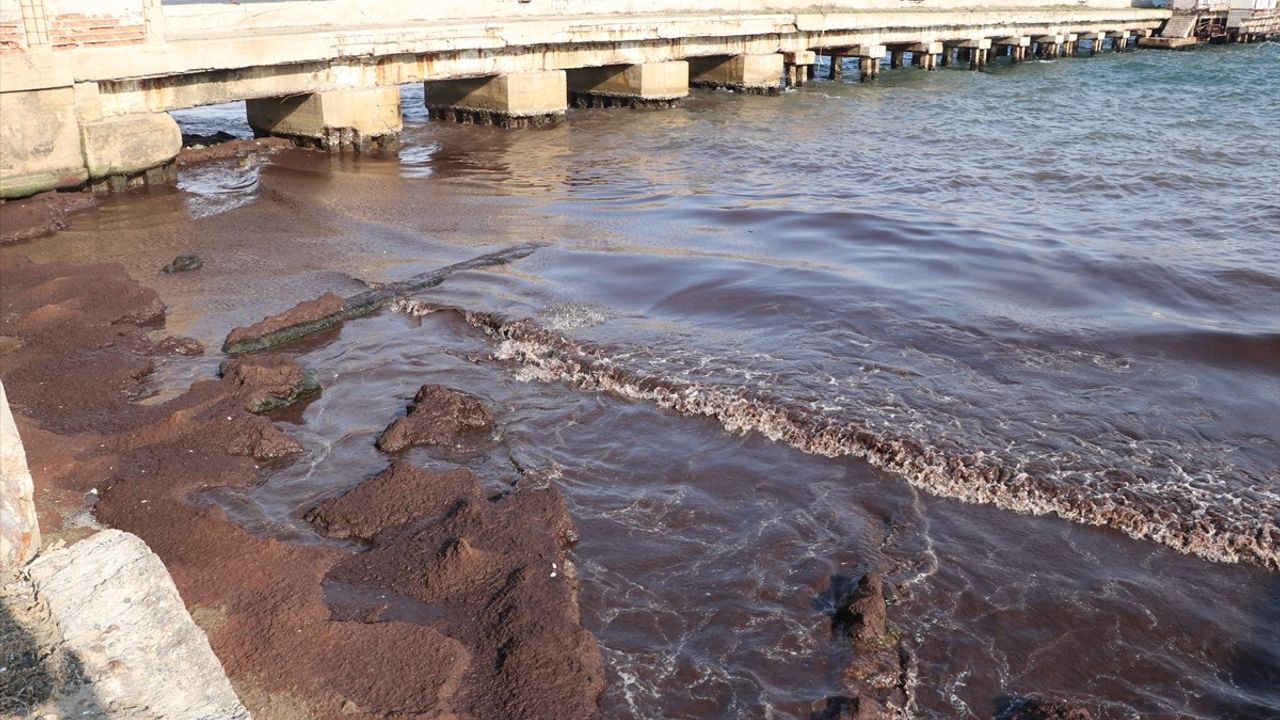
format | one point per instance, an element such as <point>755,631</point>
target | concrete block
<point>118,611</point>
<point>39,142</point>
<point>759,74</point>
<point>340,120</point>
<point>800,57</point>
<point>644,85</point>
<point>19,530</point>
<point>129,144</point>
<point>513,100</point>
<point>928,48</point>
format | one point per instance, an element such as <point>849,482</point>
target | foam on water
<point>1190,519</point>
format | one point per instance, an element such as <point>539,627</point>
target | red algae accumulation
<point>79,341</point>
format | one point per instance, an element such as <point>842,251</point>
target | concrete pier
<point>796,67</point>
<point>835,71</point>
<point>359,120</point>
<point>518,100</point>
<point>647,85</point>
<point>755,74</point>
<point>85,85</point>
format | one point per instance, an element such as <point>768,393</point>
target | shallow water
<point>775,341</point>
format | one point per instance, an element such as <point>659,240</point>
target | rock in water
<point>1037,708</point>
<point>119,612</point>
<point>491,572</point>
<point>876,680</point>
<point>302,319</point>
<point>862,614</point>
<point>438,416</point>
<point>183,263</point>
<point>395,496</point>
<point>264,383</point>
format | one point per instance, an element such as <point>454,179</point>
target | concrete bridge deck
<point>84,85</point>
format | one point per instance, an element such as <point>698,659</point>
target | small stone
<point>183,263</point>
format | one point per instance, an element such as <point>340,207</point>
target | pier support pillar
<point>359,120</point>
<point>755,74</point>
<point>836,71</point>
<point>517,100</point>
<point>978,51</point>
<point>895,58</point>
<point>796,66</point>
<point>1119,40</point>
<point>131,151</point>
<point>1049,46</point>
<point>58,139</point>
<point>922,54</point>
<point>650,85</point>
<point>868,68</point>
<point>1092,42</point>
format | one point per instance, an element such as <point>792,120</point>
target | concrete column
<point>895,58</point>
<point>360,120</point>
<point>836,72</point>
<point>518,100</point>
<point>799,63</point>
<point>756,74</point>
<point>153,20</point>
<point>58,139</point>
<point>944,60</point>
<point>19,529</point>
<point>130,151</point>
<point>650,85</point>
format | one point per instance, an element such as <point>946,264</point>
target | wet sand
<point>502,634</point>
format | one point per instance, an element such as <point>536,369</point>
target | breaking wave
<point>1240,527</point>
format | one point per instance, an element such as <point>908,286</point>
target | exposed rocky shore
<point>301,630</point>
<point>454,595</point>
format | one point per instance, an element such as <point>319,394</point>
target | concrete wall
<point>12,35</point>
<point>207,18</point>
<point>76,23</point>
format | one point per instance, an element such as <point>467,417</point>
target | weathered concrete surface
<point>761,74</point>
<point>514,100</point>
<point>39,142</point>
<point>336,120</point>
<point>19,530</point>
<point>643,85</point>
<point>120,614</point>
<point>130,144</point>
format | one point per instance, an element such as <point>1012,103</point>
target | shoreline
<point>71,371</point>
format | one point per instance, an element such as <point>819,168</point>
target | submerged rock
<point>395,496</point>
<point>494,573</point>
<point>263,383</point>
<point>862,614</point>
<point>302,319</point>
<point>1037,708</point>
<point>876,680</point>
<point>437,416</point>
<point>183,263</point>
<point>850,708</point>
